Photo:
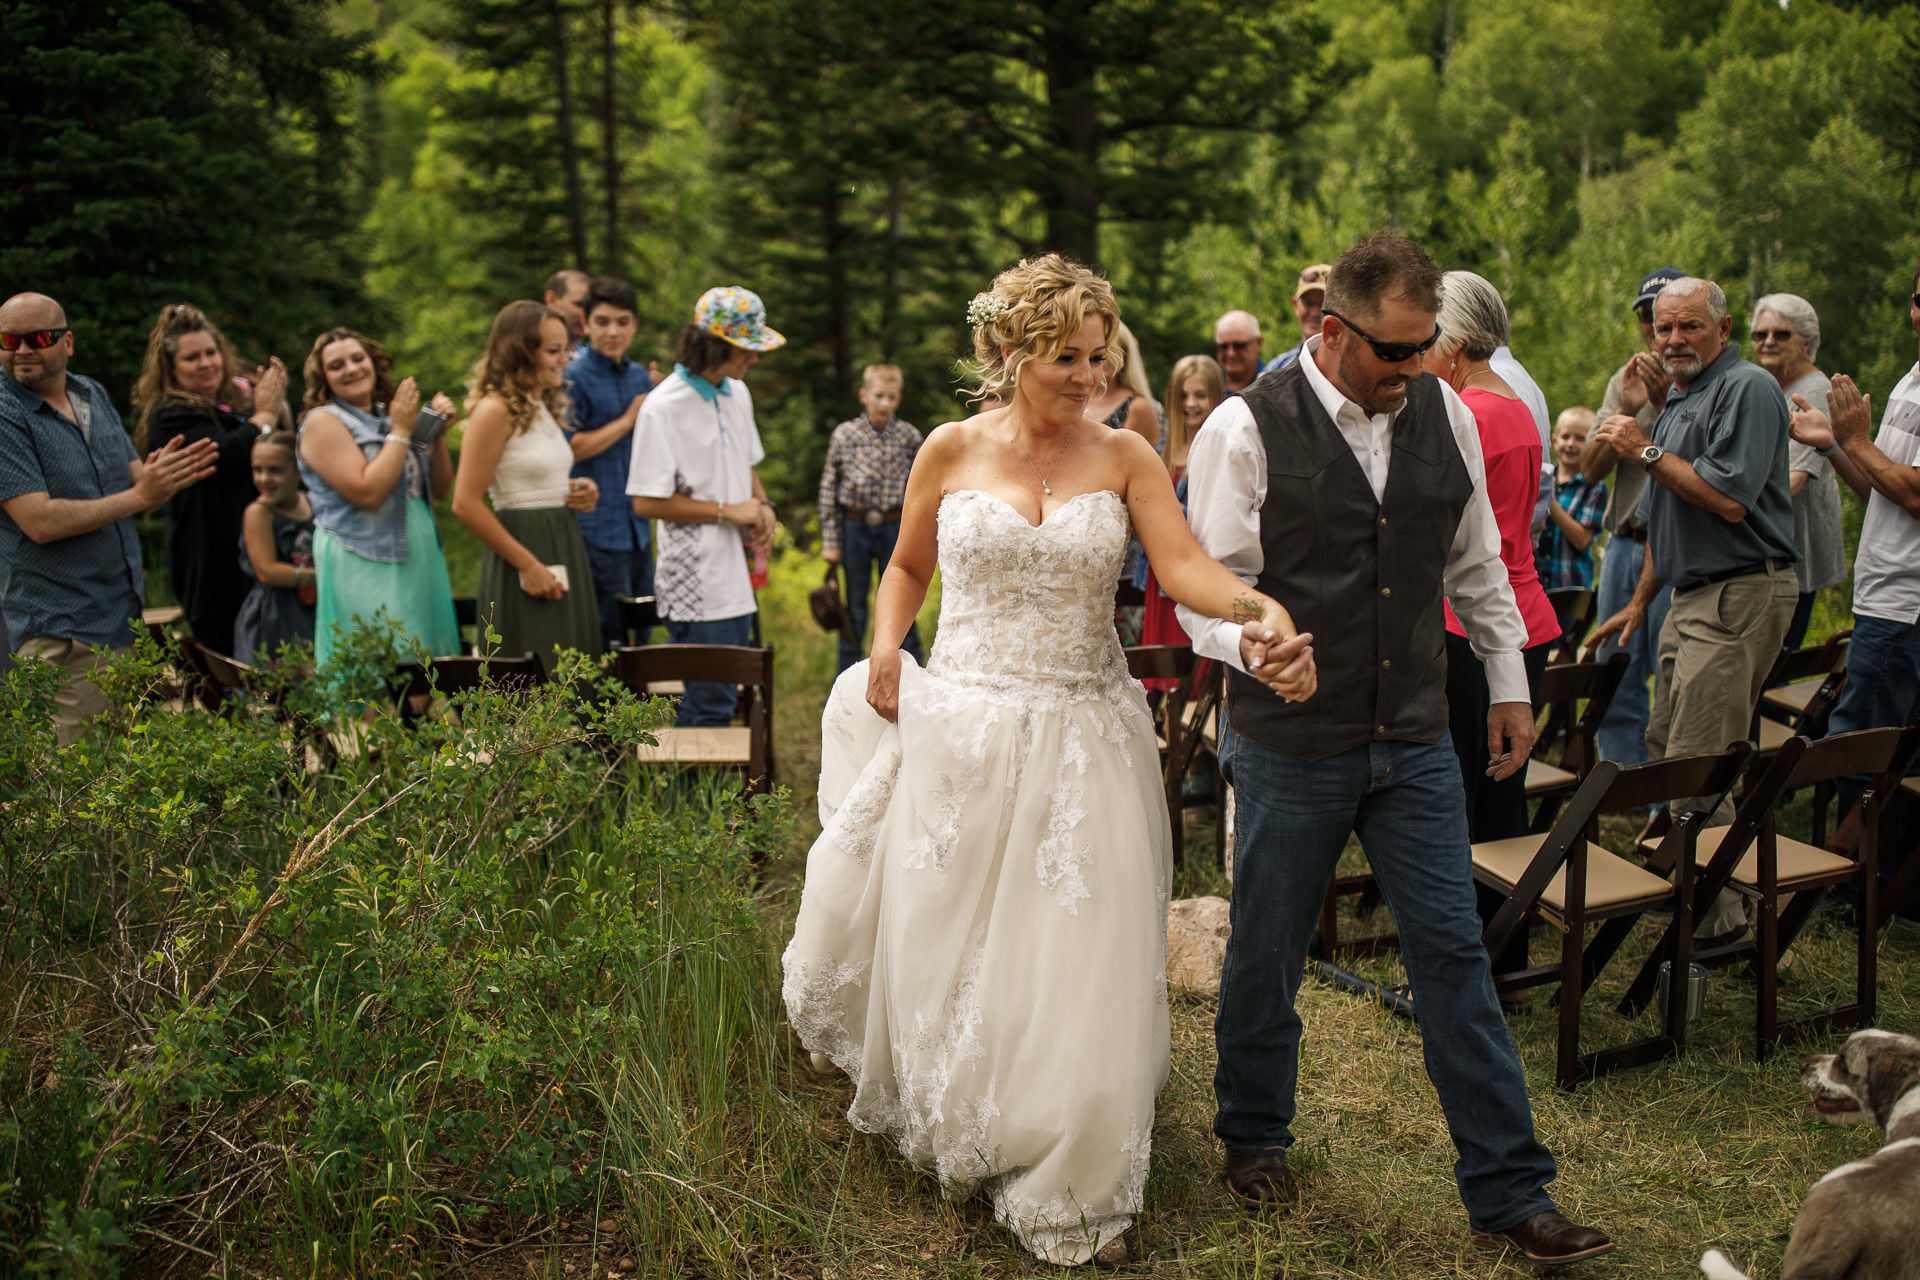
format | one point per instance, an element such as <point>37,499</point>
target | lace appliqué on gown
<point>981,937</point>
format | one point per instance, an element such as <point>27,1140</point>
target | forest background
<point>407,166</point>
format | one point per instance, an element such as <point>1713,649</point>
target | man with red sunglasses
<point>70,485</point>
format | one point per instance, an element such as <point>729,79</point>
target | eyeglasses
<point>1391,352</point>
<point>1236,346</point>
<point>32,339</point>
<point>1773,335</point>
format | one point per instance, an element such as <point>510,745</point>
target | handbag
<point>829,610</point>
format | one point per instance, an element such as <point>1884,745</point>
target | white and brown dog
<point>1858,1222</point>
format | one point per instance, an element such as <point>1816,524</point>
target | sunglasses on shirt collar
<point>1391,352</point>
<point>32,339</point>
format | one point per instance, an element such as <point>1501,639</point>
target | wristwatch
<point>1651,454</point>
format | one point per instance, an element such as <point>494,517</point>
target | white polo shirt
<point>700,440</point>
<point>1886,573</point>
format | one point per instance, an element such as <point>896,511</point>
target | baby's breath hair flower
<point>985,309</point>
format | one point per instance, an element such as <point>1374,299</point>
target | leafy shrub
<point>297,973</point>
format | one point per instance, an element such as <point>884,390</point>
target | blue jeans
<point>865,550</point>
<point>624,572</point>
<point>1882,691</point>
<point>709,703</point>
<point>1404,800</point>
<point>1623,732</point>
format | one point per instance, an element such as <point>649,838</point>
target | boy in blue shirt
<point>607,390</point>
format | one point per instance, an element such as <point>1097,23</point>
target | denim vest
<point>378,534</point>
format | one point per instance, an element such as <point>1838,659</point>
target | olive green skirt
<point>527,625</point>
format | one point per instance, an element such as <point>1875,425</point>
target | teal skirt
<point>414,594</point>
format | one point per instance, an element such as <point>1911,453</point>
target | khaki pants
<point>1718,644</point>
<point>79,699</point>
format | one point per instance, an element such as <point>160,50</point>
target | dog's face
<point>1861,1083</point>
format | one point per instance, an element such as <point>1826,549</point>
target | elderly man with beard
<point>1719,531</point>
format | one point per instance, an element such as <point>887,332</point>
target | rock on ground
<point>1197,931</point>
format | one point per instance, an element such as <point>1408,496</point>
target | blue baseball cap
<point>1655,281</point>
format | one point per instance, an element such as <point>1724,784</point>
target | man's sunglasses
<point>1236,346</point>
<point>1391,352</point>
<point>32,339</point>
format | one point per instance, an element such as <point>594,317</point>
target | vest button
<point>1386,663</point>
<point>1381,729</point>
<point>1386,591</point>
<point>1383,519</point>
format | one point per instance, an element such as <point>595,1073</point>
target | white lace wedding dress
<point>981,943</point>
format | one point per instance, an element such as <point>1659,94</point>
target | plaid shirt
<point>866,471</point>
<point>1560,564</point>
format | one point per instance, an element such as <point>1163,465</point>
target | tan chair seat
<point>1613,883</point>
<point>1910,785</point>
<point>162,615</point>
<point>730,744</point>
<point>1791,698</point>
<point>1797,861</point>
<point>667,688</point>
<point>1773,734</point>
<point>1542,776</point>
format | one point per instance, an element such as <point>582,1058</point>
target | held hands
<point>1276,653</point>
<point>1622,434</point>
<point>540,583</point>
<point>443,405</point>
<point>1509,738</point>
<point>171,468</point>
<point>582,494</point>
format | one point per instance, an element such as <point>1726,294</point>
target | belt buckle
<point>875,518</point>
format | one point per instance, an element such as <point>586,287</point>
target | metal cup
<point>1696,993</point>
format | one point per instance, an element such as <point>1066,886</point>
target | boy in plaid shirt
<point>861,489</point>
<point>1564,551</point>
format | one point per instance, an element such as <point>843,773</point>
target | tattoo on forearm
<point>1247,609</point>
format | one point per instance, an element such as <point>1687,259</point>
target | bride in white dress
<point>981,944</point>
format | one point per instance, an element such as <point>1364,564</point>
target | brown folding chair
<point>746,747</point>
<point>1809,677</point>
<point>1784,877</point>
<point>638,617</point>
<point>1574,607</point>
<point>466,618</point>
<point>413,683</point>
<point>1179,736</point>
<point>1566,878</point>
<point>1571,728</point>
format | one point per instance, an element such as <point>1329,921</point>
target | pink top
<point>1510,441</point>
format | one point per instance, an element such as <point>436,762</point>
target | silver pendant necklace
<point>1046,486</point>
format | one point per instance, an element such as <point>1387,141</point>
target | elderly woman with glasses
<point>1786,338</point>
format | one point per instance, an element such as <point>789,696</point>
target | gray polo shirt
<point>1731,424</point>
<point>83,588</point>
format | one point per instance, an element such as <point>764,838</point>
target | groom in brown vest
<point>1349,486</point>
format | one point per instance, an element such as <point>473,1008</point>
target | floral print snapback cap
<point>736,315</point>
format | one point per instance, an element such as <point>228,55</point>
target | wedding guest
<point>1236,344</point>
<point>187,389</point>
<point>606,390</point>
<point>374,545</point>
<point>1720,533</point>
<point>276,552</point>
<point>536,582</point>
<point>70,485</point>
<point>1309,295</point>
<point>1127,400</point>
<point>567,293</point>
<point>694,454</point>
<point>1193,391</point>
<point>861,489</point>
<point>1786,339</point>
<point>1564,547</point>
<point>1473,320</point>
<point>1293,488</point>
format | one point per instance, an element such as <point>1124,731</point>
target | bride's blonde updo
<point>1033,309</point>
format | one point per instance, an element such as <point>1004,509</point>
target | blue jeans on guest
<point>1882,691</point>
<point>623,572</point>
<point>865,550</point>
<point>708,703</point>
<point>1622,737</point>
<point>1293,816</point>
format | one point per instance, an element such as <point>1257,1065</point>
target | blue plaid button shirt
<point>600,392</point>
<point>1561,564</point>
<point>86,587</point>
